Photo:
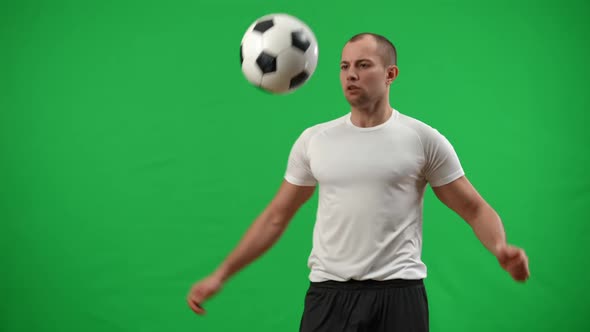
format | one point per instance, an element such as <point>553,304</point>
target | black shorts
<point>368,305</point>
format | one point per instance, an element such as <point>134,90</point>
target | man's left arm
<point>461,197</point>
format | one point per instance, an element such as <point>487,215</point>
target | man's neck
<point>371,116</point>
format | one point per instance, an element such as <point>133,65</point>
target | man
<point>373,166</point>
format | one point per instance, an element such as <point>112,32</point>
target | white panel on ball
<point>289,64</point>
<point>251,44</point>
<point>250,48</point>
<point>274,83</point>
<point>274,40</point>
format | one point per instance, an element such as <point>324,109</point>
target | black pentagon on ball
<point>298,40</point>
<point>263,25</point>
<point>241,55</point>
<point>298,79</point>
<point>267,62</point>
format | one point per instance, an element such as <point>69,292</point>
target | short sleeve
<point>442,163</point>
<point>298,166</point>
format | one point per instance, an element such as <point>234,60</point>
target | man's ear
<point>392,72</point>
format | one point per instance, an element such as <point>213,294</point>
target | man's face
<point>363,74</point>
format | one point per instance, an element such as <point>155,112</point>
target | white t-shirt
<point>371,188</point>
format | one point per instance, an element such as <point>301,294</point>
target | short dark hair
<point>388,51</point>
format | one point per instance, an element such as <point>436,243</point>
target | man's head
<point>367,68</point>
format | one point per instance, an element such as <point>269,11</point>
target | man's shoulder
<point>325,125</point>
<point>427,133</point>
<point>418,126</point>
<point>413,122</point>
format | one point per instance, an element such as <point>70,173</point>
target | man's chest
<point>366,159</point>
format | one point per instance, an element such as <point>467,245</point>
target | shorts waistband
<point>367,284</point>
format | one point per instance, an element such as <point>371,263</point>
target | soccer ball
<point>278,53</point>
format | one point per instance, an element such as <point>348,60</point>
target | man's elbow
<point>279,215</point>
<point>473,210</point>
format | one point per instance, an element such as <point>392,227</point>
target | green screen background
<point>134,156</point>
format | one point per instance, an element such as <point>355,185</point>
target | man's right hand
<point>201,291</point>
<point>263,233</point>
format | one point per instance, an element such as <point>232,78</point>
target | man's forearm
<point>488,228</point>
<point>263,233</point>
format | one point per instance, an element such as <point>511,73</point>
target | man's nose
<point>351,75</point>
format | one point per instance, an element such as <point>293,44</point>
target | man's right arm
<point>266,229</point>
